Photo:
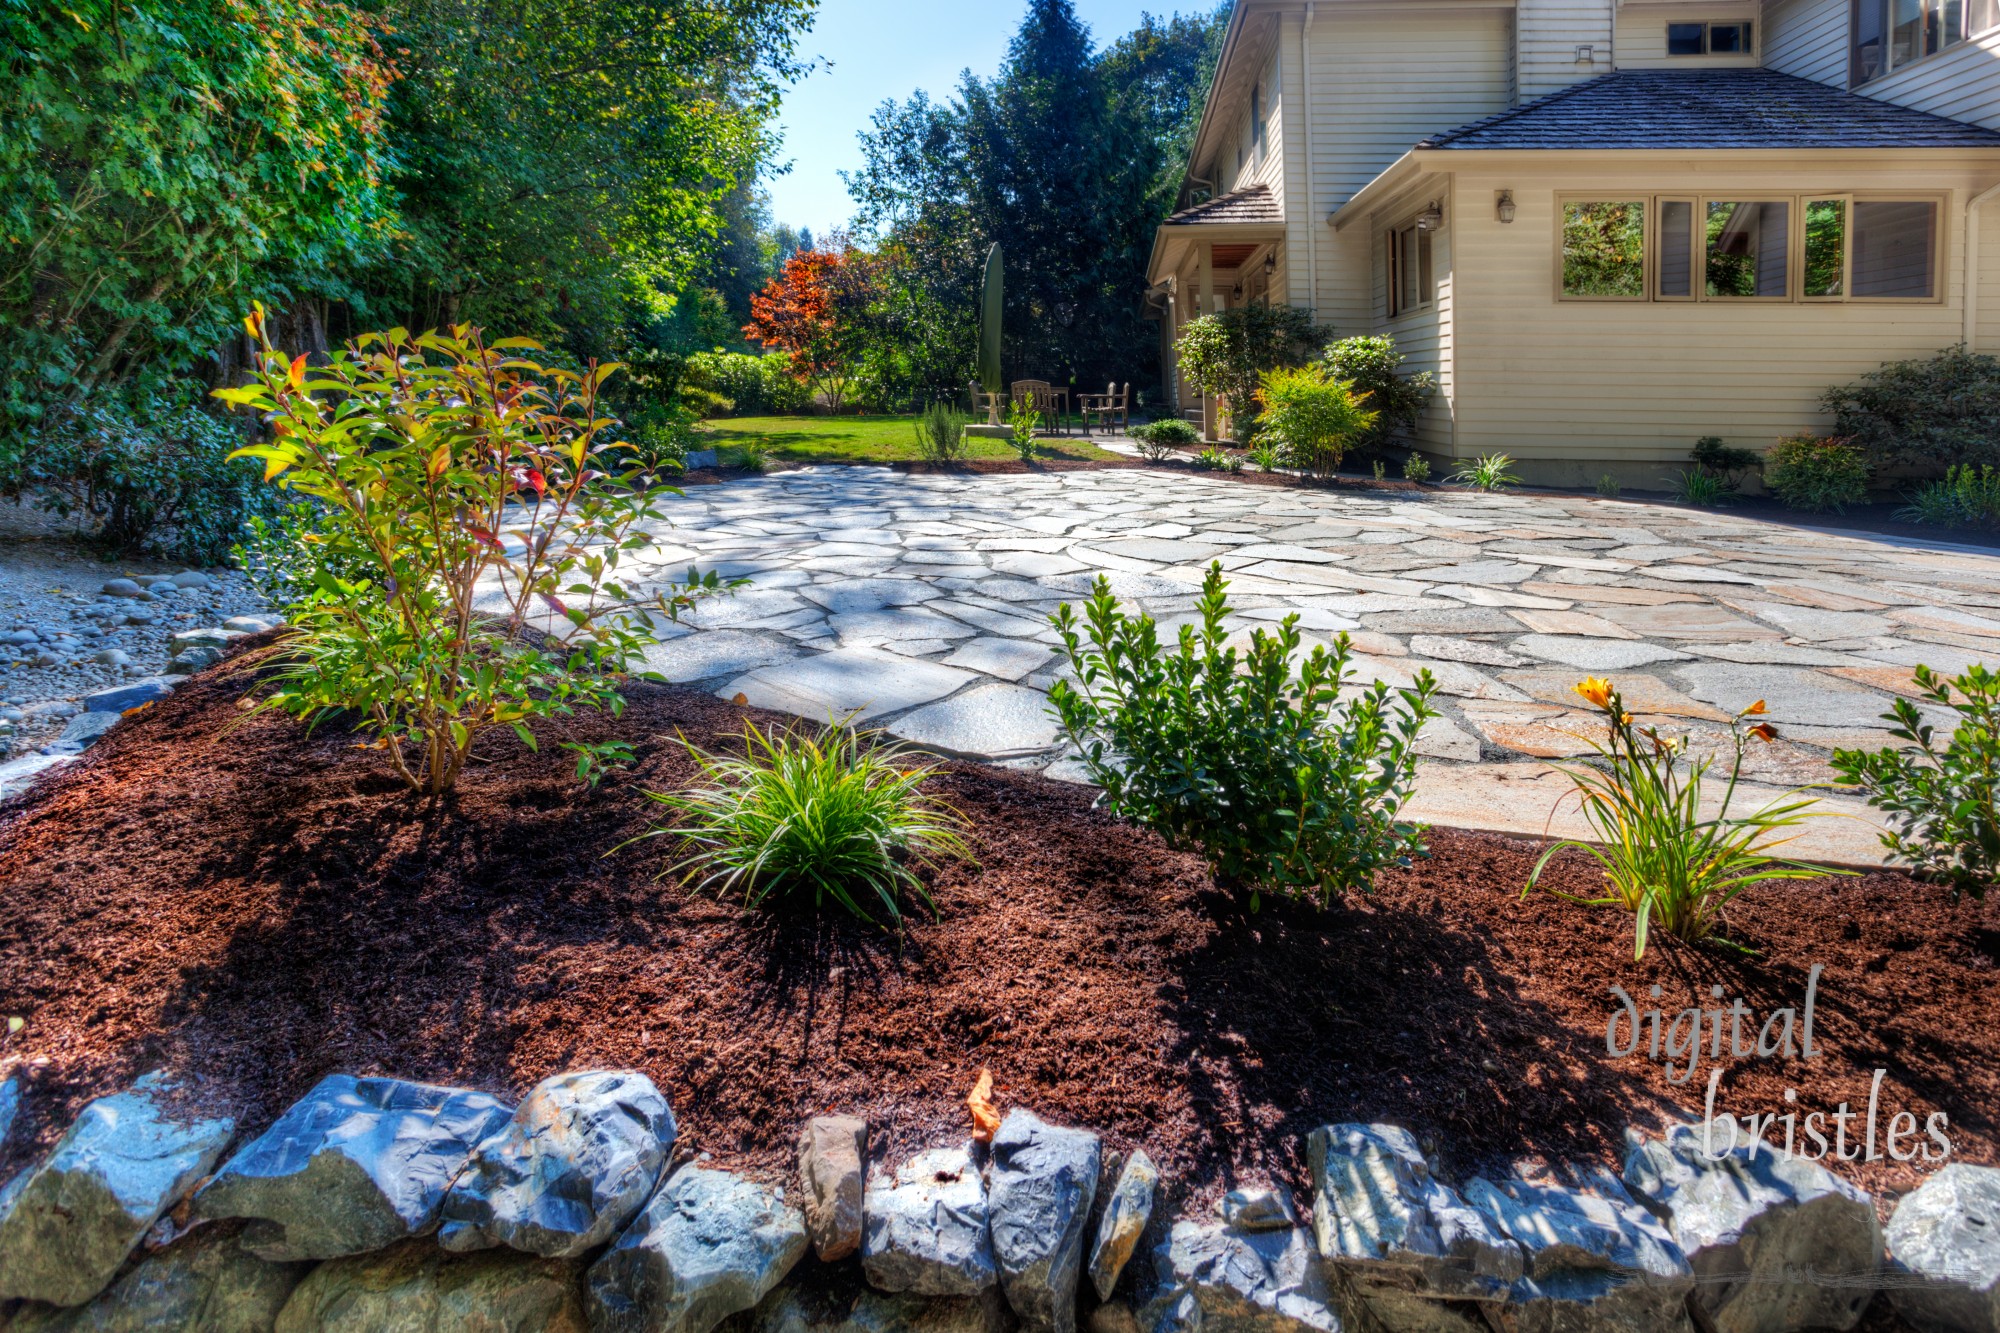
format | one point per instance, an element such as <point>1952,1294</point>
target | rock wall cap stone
<point>1126,1214</point>
<point>1945,1237</point>
<point>1041,1182</point>
<point>927,1230</point>
<point>832,1152</point>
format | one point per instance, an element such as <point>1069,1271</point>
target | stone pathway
<point>921,604</point>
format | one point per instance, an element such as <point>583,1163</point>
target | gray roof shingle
<point>1253,204</point>
<point>1710,108</point>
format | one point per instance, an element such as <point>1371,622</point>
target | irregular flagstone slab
<point>928,1229</point>
<point>67,1225</point>
<point>717,653</point>
<point>1441,738</point>
<point>1486,573</point>
<point>866,682</point>
<point>204,1281</point>
<point>1766,650</point>
<point>1573,622</point>
<point>985,722</point>
<point>833,1151</point>
<point>1256,1281</point>
<point>578,1158</point>
<point>1790,694</point>
<point>355,1165</point>
<point>1595,654</point>
<point>1756,1225</point>
<point>415,1287</point>
<point>1472,595</point>
<point>873,628</point>
<point>1643,694</point>
<point>708,1245</point>
<point>1041,1182</point>
<point>1009,659</point>
<point>1809,622</point>
<point>1944,1241</point>
<point>1379,1212</point>
<point>1687,621</point>
<point>1698,574</point>
<point>1464,650</point>
<point>1126,1213</point>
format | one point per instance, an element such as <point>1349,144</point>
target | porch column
<point>1207,307</point>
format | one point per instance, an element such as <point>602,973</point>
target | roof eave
<point>1397,175</point>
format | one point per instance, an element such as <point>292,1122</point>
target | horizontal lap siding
<point>1963,83</point>
<point>1807,38</point>
<point>1548,33</point>
<point>1642,34</point>
<point>1637,383</point>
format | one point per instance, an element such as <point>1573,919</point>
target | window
<point>1604,249</point>
<point>1811,247</point>
<point>1411,282</point>
<point>1708,39</point>
<point>1889,34</point>
<point>1257,122</point>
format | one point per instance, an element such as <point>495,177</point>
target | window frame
<point>1795,243</point>
<point>1708,26</point>
<point>1423,249</point>
<point>1932,11</point>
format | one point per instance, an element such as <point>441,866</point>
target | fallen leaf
<point>741,700</point>
<point>985,1116</point>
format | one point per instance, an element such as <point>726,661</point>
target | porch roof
<point>1253,205</point>
<point>1709,109</point>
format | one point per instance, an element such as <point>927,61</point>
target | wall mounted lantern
<point>1503,206</point>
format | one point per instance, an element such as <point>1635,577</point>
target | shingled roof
<point>1710,108</point>
<point>1252,204</point>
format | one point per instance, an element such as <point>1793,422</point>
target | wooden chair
<point>1113,407</point>
<point>1041,399</point>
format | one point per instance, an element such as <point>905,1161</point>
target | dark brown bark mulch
<point>257,907</point>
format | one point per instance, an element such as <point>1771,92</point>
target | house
<point>1609,227</point>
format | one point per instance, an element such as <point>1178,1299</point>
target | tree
<point>1227,354</point>
<point>166,162</point>
<point>816,312</point>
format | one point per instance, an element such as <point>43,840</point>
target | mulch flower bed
<point>259,907</point>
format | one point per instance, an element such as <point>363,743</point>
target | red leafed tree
<point>815,312</point>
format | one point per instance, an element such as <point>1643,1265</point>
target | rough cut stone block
<point>1378,1212</point>
<point>579,1158</point>
<point>1755,1218</point>
<point>356,1165</point>
<point>205,1282</point>
<point>1561,1229</point>
<point>1040,1186</point>
<point>1944,1239</point>
<point>417,1288</point>
<point>708,1245</point>
<point>926,1231</point>
<point>68,1224</point>
<point>122,698</point>
<point>790,1310</point>
<point>832,1153</point>
<point>1219,1278</point>
<point>1126,1214</point>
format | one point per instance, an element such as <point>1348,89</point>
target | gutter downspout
<point>1972,265</point>
<point>1312,195</point>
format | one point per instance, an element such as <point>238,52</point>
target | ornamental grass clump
<point>1488,472</point>
<point>463,557</point>
<point>1251,758</point>
<point>1672,867</point>
<point>1945,803</point>
<point>834,815</point>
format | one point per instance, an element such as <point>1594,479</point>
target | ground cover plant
<point>839,815</point>
<point>419,451</point>
<point>1251,758</point>
<point>1672,867</point>
<point>1817,473</point>
<point>1944,802</point>
<point>1964,497</point>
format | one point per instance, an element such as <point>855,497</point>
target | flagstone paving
<point>921,604</point>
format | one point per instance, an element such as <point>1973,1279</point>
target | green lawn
<point>886,439</point>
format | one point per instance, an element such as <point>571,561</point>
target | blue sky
<point>888,49</point>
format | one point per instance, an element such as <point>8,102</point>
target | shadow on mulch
<point>257,907</point>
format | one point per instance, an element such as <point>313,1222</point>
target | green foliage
<point>1488,472</point>
<point>1314,417</point>
<point>481,495</point>
<point>284,552</point>
<point>596,760</point>
<point>1251,758</point>
<point>1213,459</point>
<point>1713,454</point>
<point>151,472</point>
<point>657,436</point>
<point>745,381</point>
<point>1817,473</point>
<point>1371,366</point>
<point>1964,498</point>
<point>1695,486</point>
<point>837,815</point>
<point>1664,861</point>
<point>164,161</point>
<point>1228,354</point>
<point>1607,486</point>
<point>1417,468</point>
<point>1945,804</point>
<point>1159,439</point>
<point>1604,249</point>
<point>1267,457</point>
<point>1023,421</point>
<point>1943,409</point>
<point>941,434</point>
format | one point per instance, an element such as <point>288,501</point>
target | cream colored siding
<point>1642,34</point>
<point>1382,81</point>
<point>1807,38</point>
<point>1600,384</point>
<point>1963,82</point>
<point>1547,34</point>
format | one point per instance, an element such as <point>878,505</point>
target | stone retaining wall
<point>376,1204</point>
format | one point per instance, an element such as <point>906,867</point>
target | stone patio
<point>920,604</point>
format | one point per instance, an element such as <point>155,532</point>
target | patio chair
<point>1041,399</point>
<point>1113,408</point>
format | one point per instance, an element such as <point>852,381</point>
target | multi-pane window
<point>1708,39</point>
<point>1889,34</point>
<point>1411,282</point>
<point>1747,247</point>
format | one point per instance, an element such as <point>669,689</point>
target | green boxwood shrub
<point>1817,473</point>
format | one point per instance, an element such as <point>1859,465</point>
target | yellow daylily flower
<point>1754,710</point>
<point>1595,690</point>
